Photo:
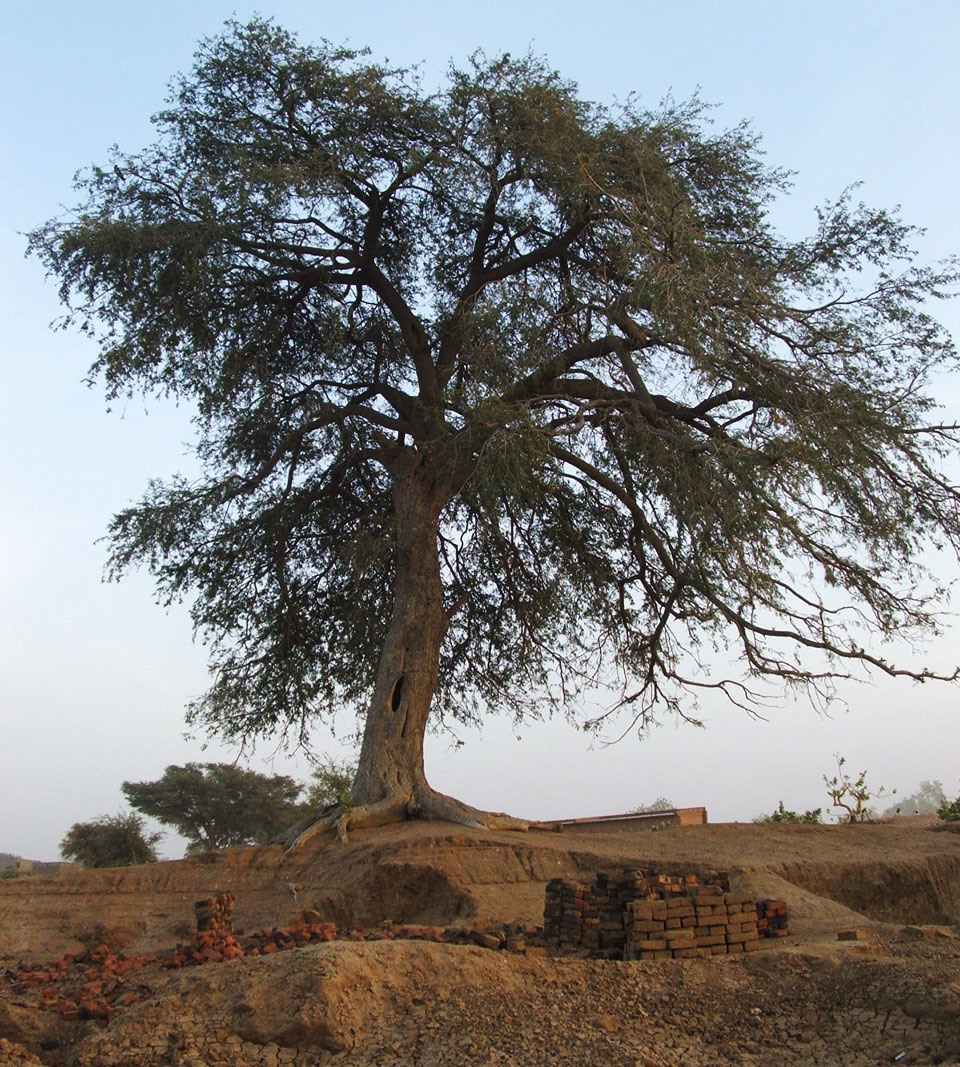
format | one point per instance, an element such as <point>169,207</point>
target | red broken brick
<point>69,1010</point>
<point>95,1009</point>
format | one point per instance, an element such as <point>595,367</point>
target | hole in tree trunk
<point>397,695</point>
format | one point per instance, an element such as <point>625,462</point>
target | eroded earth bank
<point>419,992</point>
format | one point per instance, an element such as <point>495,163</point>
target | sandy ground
<point>891,997</point>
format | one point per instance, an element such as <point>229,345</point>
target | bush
<point>110,841</point>
<point>949,811</point>
<point>782,814</point>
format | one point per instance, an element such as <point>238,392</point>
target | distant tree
<point>331,784</point>
<point>218,805</point>
<point>928,798</point>
<point>660,804</point>
<point>500,392</point>
<point>852,795</point>
<point>110,841</point>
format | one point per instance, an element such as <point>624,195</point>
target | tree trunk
<point>390,772</point>
<point>391,785</point>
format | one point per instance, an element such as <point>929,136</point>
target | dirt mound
<point>405,1003</point>
<point>808,998</point>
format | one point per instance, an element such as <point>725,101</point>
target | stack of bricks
<point>591,937</point>
<point>609,922</point>
<point>215,913</point>
<point>563,911</point>
<point>617,890</point>
<point>704,922</point>
<point>726,922</point>
<point>772,918</point>
<point>643,915</point>
<point>669,886</point>
<point>659,928</point>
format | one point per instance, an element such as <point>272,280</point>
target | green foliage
<point>927,800</point>
<point>660,804</point>
<point>330,785</point>
<point>949,811</point>
<point>218,805</point>
<point>652,423</point>
<point>852,795</point>
<point>110,841</point>
<point>807,818</point>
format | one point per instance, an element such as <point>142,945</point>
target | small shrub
<point>949,811</point>
<point>851,795</point>
<point>782,814</point>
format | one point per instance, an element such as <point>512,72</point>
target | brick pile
<point>95,984</point>
<point>564,911</point>
<point>772,918</point>
<point>92,985</point>
<point>631,915</point>
<point>644,915</point>
<point>215,913</point>
<point>707,922</point>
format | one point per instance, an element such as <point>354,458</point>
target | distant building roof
<point>635,819</point>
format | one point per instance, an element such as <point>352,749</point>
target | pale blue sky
<point>93,678</point>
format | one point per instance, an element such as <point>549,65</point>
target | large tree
<point>219,805</point>
<point>500,393</point>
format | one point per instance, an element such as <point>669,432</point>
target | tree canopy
<point>110,841</point>
<point>219,805</point>
<point>501,393</point>
<point>927,800</point>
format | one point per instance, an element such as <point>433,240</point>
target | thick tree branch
<point>482,275</point>
<point>414,334</point>
<point>539,382</point>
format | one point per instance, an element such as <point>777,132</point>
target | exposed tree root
<point>434,805</point>
<point>425,804</point>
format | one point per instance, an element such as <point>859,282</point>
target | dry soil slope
<point>425,873</point>
<point>809,999</point>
